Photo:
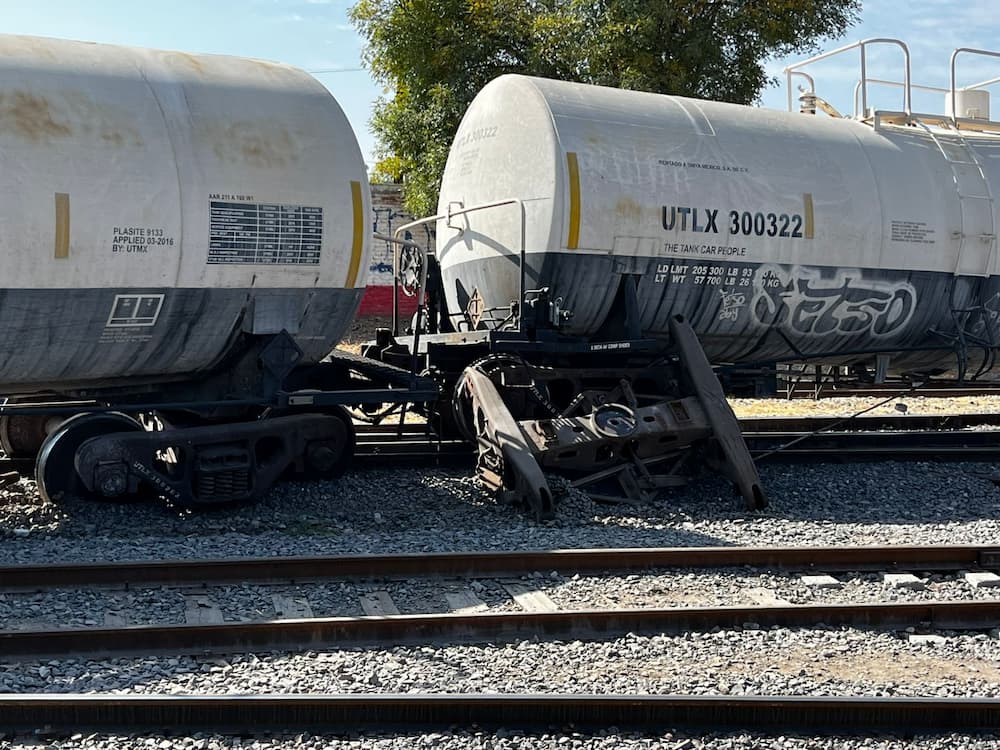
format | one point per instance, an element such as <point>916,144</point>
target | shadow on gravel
<point>883,493</point>
<point>381,509</point>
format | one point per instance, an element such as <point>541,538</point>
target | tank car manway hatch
<point>600,252</point>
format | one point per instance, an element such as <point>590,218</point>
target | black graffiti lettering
<point>846,305</point>
<point>812,316</point>
<point>897,310</point>
<point>842,310</point>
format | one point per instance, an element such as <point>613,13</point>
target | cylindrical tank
<point>157,205</point>
<point>777,235</point>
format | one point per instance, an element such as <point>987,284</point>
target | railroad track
<point>51,715</point>
<point>940,390</point>
<point>423,629</point>
<point>871,423</point>
<point>490,627</point>
<point>781,439</point>
<point>896,437</point>
<point>66,714</point>
<point>478,564</point>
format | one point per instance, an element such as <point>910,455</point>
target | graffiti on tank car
<point>732,303</point>
<point>986,319</point>
<point>804,302</point>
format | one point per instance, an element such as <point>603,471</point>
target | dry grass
<point>845,406</point>
<point>361,331</point>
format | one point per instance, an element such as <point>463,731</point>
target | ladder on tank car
<point>975,199</point>
<point>977,235</point>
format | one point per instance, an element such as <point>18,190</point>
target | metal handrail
<point>863,46</point>
<point>981,84</point>
<point>448,216</point>
<point>954,56</point>
<point>899,84</point>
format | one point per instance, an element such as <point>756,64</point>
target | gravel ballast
<point>818,662</point>
<point>410,510</point>
<point>515,738</point>
<point>382,510</point>
<point>73,608</point>
<point>749,661</point>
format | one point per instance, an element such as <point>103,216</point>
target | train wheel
<point>55,471</point>
<point>22,435</point>
<point>328,459</point>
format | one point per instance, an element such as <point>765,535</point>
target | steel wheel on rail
<point>329,458</point>
<point>55,468</point>
<point>22,435</point>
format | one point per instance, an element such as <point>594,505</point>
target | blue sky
<point>317,36</point>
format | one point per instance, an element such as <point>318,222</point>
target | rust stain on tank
<point>191,61</point>
<point>121,137</point>
<point>113,137</point>
<point>112,125</point>
<point>249,143</point>
<point>35,47</point>
<point>628,209</point>
<point>30,116</point>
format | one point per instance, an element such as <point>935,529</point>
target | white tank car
<point>158,205</point>
<point>777,235</point>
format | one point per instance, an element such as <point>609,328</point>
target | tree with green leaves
<point>433,56</point>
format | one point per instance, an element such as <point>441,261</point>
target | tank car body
<point>776,235</point>
<point>160,207</point>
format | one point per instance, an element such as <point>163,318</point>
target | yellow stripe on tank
<point>810,229</point>
<point>62,225</point>
<point>359,234</point>
<point>573,241</point>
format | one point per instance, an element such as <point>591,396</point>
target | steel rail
<point>482,564</point>
<point>926,422</point>
<point>413,442</point>
<point>423,629</point>
<point>891,436</point>
<point>949,445</point>
<point>59,715</point>
<point>887,440</point>
<point>953,444</point>
<point>807,391</point>
<point>955,453</point>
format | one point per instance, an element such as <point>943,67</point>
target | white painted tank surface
<point>777,235</point>
<point>158,206</point>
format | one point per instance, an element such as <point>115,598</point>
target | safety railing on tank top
<point>952,92</point>
<point>794,70</point>
<point>861,97</point>
<point>981,84</point>
<point>452,213</point>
